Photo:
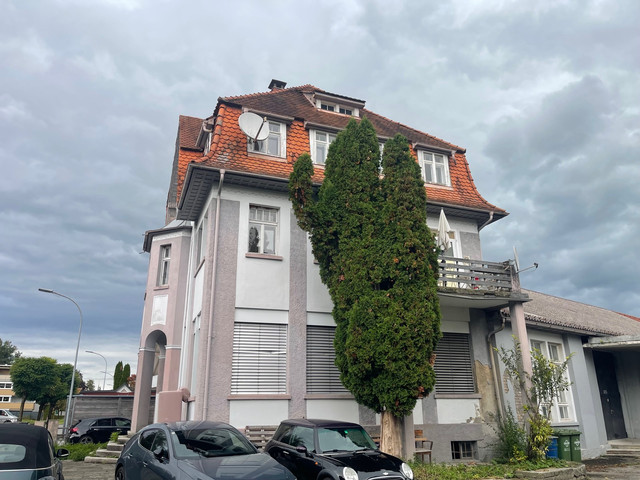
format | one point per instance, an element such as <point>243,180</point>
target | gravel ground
<point>88,471</point>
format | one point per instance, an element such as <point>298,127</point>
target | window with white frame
<point>5,399</point>
<point>263,229</point>
<point>275,143</point>
<point>453,245</point>
<point>337,108</point>
<point>201,240</point>
<point>8,385</point>
<point>322,374</point>
<point>453,367</point>
<point>435,168</point>
<point>163,268</point>
<point>259,361</point>
<point>320,142</point>
<point>562,408</point>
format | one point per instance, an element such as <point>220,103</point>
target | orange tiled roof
<point>229,144</point>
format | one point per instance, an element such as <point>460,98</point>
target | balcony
<point>477,283</point>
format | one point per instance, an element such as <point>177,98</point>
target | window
<point>263,229</point>
<point>345,111</point>
<point>259,361</point>
<point>5,399</point>
<point>454,372</point>
<point>163,271</point>
<point>328,107</point>
<point>8,385</point>
<point>453,246</point>
<point>201,241</point>
<point>462,450</point>
<point>562,409</point>
<point>435,168</point>
<point>337,108</point>
<point>275,142</point>
<point>322,374</point>
<point>320,142</point>
<point>146,438</point>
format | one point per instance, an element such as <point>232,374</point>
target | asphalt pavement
<point>88,471</point>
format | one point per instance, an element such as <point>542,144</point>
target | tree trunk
<point>391,434</point>
<point>40,411</point>
<point>24,399</point>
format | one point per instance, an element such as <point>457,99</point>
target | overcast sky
<point>545,97</point>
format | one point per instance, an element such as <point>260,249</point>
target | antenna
<point>517,262</point>
<point>253,126</point>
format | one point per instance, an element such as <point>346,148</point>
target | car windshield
<point>341,439</point>
<point>210,442</point>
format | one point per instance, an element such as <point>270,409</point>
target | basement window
<point>463,450</point>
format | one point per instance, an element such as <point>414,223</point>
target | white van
<point>6,416</point>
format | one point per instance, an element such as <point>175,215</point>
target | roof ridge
<point>366,110</point>
<point>270,92</point>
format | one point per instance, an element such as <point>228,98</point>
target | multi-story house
<point>237,325</point>
<point>8,399</point>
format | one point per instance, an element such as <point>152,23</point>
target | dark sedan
<point>332,449</point>
<point>97,430</point>
<point>195,450</point>
<point>27,453</point>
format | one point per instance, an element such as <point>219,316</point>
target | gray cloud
<point>543,96</point>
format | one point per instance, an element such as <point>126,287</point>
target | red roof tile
<point>229,144</point>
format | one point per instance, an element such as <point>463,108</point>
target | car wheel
<point>85,439</point>
<point>120,473</point>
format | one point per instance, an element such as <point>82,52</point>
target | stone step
<point>112,460</point>
<point>122,439</point>
<point>623,452</point>
<point>115,447</point>
<point>625,446</point>
<point>103,452</point>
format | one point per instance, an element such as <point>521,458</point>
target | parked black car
<point>27,453</point>
<point>97,430</point>
<point>332,449</point>
<point>195,450</point>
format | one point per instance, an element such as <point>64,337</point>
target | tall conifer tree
<point>378,258</point>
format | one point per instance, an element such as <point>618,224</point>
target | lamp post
<point>104,381</point>
<point>75,361</point>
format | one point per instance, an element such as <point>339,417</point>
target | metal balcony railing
<point>466,274</point>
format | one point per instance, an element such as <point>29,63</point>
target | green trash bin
<point>576,454</point>
<point>564,444</point>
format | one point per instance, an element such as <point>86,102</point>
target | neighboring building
<point>237,325</point>
<point>8,400</point>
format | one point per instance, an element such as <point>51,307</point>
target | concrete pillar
<point>142,398</point>
<point>519,327</point>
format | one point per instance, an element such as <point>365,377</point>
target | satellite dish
<point>253,126</point>
<point>516,260</point>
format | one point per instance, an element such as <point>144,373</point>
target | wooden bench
<point>259,435</point>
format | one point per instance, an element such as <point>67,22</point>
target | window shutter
<point>259,364</point>
<point>454,373</point>
<point>322,374</point>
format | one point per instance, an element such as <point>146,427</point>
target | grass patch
<point>462,471</point>
<point>77,451</point>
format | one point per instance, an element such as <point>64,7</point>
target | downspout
<point>214,268</point>
<point>487,222</point>
<point>494,366</point>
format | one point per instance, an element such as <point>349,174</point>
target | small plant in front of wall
<point>541,389</point>
<point>114,437</point>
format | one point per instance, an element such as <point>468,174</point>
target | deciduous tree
<point>8,352</point>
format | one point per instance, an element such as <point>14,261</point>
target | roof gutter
<point>487,222</point>
<point>214,269</point>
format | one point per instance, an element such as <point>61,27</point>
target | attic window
<point>435,168</point>
<point>337,108</point>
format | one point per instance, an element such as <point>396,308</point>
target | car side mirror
<point>62,453</point>
<point>302,449</point>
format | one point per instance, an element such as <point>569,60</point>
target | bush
<point>77,451</point>
<point>114,437</point>
<point>511,446</point>
<point>461,471</point>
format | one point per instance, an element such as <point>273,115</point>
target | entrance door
<point>609,395</point>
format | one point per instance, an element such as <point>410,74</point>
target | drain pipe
<point>494,366</point>
<point>487,222</point>
<point>214,268</point>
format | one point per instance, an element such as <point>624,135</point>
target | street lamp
<point>75,362</point>
<point>104,381</point>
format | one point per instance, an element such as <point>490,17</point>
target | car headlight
<point>406,470</point>
<point>349,473</point>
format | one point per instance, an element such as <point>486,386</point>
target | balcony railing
<point>474,275</point>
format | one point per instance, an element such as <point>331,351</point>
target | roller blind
<point>454,372</point>
<point>259,363</point>
<point>322,374</point>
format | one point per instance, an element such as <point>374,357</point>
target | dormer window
<point>337,108</point>
<point>274,144</point>
<point>320,142</point>
<point>435,168</point>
